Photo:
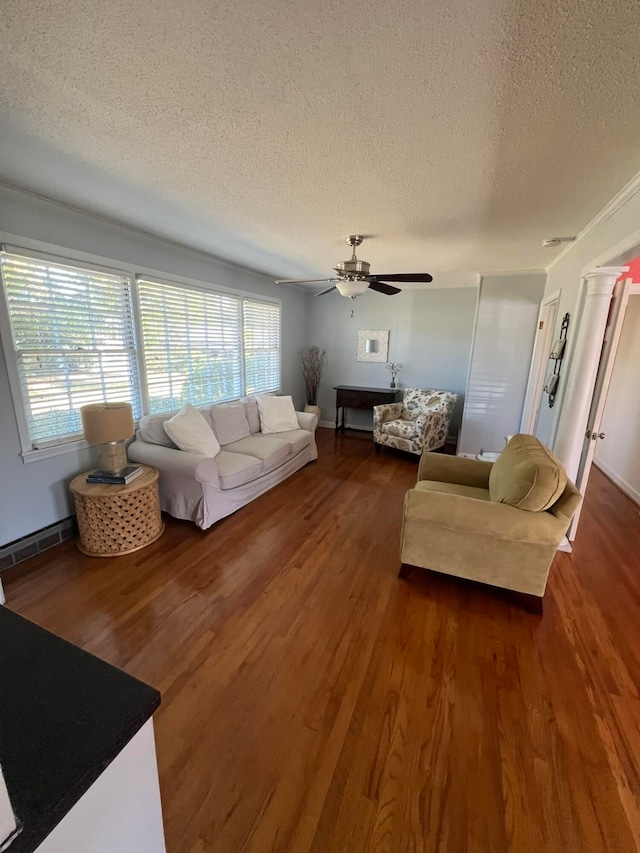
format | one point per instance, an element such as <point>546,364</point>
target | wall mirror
<point>373,345</point>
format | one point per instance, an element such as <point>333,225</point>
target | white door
<point>605,369</point>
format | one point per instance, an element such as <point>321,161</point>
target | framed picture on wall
<point>373,345</point>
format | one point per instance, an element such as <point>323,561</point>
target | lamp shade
<point>107,422</point>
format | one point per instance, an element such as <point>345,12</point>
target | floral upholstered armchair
<point>419,423</point>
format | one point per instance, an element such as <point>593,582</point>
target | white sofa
<point>204,490</point>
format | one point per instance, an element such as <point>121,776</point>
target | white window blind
<point>74,341</point>
<point>192,345</point>
<point>261,346</point>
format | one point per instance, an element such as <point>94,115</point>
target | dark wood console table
<point>356,397</point>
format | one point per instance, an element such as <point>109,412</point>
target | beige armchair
<point>498,523</point>
<point>420,422</point>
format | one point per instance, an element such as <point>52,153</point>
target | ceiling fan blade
<point>302,280</point>
<point>328,290</point>
<point>402,276</point>
<point>381,287</point>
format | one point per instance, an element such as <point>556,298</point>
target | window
<point>192,345</point>
<point>202,347</point>
<point>261,346</point>
<point>74,342</point>
<point>77,335</point>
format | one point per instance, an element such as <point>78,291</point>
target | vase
<point>314,410</point>
<point>393,384</point>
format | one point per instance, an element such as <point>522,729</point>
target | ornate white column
<point>584,367</point>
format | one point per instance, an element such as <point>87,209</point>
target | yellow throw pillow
<point>527,475</point>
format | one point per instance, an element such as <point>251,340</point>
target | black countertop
<point>64,716</point>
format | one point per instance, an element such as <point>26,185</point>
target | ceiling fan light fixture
<point>352,287</point>
<point>354,277</point>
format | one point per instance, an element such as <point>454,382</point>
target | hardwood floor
<point>312,701</point>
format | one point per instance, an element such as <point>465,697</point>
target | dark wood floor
<point>314,702</point>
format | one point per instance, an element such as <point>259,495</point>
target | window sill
<point>29,456</point>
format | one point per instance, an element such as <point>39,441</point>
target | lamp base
<point>113,456</point>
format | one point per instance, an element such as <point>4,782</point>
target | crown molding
<point>618,201</point>
<point>461,280</point>
<point>131,229</point>
<point>497,273</point>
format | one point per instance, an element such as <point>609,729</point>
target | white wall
<point>618,454</point>
<point>505,329</point>
<point>430,335</point>
<point>566,276</point>
<point>35,495</point>
<point>121,810</point>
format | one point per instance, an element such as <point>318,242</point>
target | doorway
<point>594,445</point>
<point>618,455</point>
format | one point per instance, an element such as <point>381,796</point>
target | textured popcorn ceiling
<point>458,134</point>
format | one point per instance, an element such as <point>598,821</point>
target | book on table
<point>109,477</point>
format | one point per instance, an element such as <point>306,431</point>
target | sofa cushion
<point>277,414</point>
<point>236,469</point>
<point>191,432</point>
<point>298,439</point>
<point>453,489</point>
<point>270,450</point>
<point>400,428</point>
<point>527,475</point>
<point>251,411</point>
<point>414,402</point>
<point>152,430</point>
<point>417,401</point>
<point>229,422</point>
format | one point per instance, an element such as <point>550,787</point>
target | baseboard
<point>35,543</point>
<point>358,427</point>
<point>451,439</point>
<point>625,487</point>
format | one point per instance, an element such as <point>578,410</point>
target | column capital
<point>602,280</point>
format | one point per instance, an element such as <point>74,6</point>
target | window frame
<point>119,288</point>
<point>53,253</point>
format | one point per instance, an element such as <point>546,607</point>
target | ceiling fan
<point>354,279</point>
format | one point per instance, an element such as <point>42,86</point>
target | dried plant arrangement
<point>312,361</point>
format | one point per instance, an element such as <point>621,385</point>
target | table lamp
<point>108,425</point>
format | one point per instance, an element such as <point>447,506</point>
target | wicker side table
<point>115,520</point>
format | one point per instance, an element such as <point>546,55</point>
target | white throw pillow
<point>277,414</point>
<point>191,432</point>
